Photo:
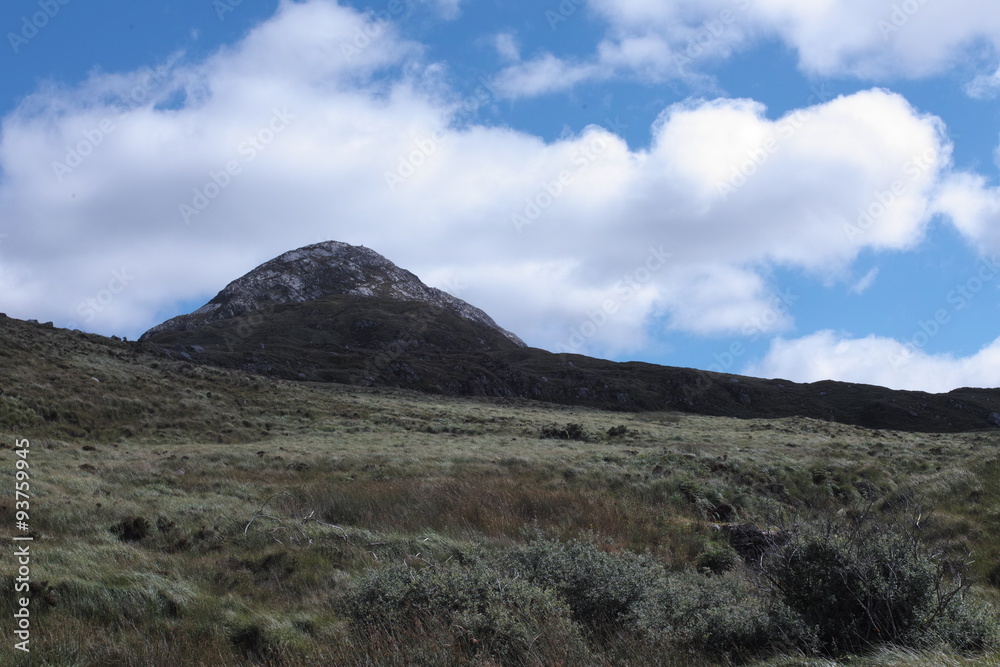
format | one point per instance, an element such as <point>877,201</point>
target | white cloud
<point>446,9</point>
<point>984,86</point>
<point>541,234</point>
<point>974,209</point>
<point>866,282</point>
<point>545,74</point>
<point>654,40</point>
<point>724,299</point>
<point>507,47</point>
<point>879,361</point>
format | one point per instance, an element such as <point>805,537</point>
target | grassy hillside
<point>186,514</point>
<point>379,342</point>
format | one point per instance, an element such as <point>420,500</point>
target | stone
<point>316,271</point>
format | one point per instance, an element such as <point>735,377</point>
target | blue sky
<point>776,188</point>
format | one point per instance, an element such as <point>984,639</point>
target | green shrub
<point>968,625</point>
<point>724,615</point>
<point>483,612</point>
<point>717,558</point>
<point>569,432</point>
<point>617,431</point>
<point>866,582</point>
<point>600,588</point>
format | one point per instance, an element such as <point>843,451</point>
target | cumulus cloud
<point>879,361</point>
<point>303,132</point>
<point>654,40</point>
<point>974,208</point>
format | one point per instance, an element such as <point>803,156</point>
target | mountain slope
<point>337,313</point>
<point>322,270</point>
<point>386,343</point>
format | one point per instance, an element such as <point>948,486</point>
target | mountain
<point>337,313</point>
<point>318,271</point>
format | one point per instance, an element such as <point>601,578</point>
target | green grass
<point>395,480</point>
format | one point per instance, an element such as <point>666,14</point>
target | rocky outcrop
<point>320,270</point>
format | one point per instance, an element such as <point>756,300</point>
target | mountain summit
<point>323,270</point>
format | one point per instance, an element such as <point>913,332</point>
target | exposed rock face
<point>319,270</point>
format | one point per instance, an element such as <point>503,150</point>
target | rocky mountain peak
<point>320,270</point>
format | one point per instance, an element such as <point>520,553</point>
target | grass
<point>392,479</point>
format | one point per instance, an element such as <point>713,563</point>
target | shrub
<point>721,615</point>
<point>717,558</point>
<point>865,581</point>
<point>617,431</point>
<point>569,432</point>
<point>969,626</point>
<point>482,612</point>
<point>600,588</point>
<point>131,528</point>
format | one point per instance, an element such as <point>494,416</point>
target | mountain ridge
<point>318,270</point>
<point>335,313</point>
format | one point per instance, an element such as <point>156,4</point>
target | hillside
<point>332,312</point>
<point>189,514</point>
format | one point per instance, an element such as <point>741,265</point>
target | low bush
<point>567,432</point>
<point>600,588</point>
<point>478,610</point>
<point>717,558</point>
<point>864,581</point>
<point>725,616</point>
<point>618,431</point>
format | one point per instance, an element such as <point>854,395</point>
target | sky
<point>780,188</point>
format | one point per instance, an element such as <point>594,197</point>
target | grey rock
<point>319,270</point>
<point>994,418</point>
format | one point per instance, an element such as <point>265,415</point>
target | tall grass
<point>414,483</point>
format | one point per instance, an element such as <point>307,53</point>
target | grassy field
<point>191,516</point>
